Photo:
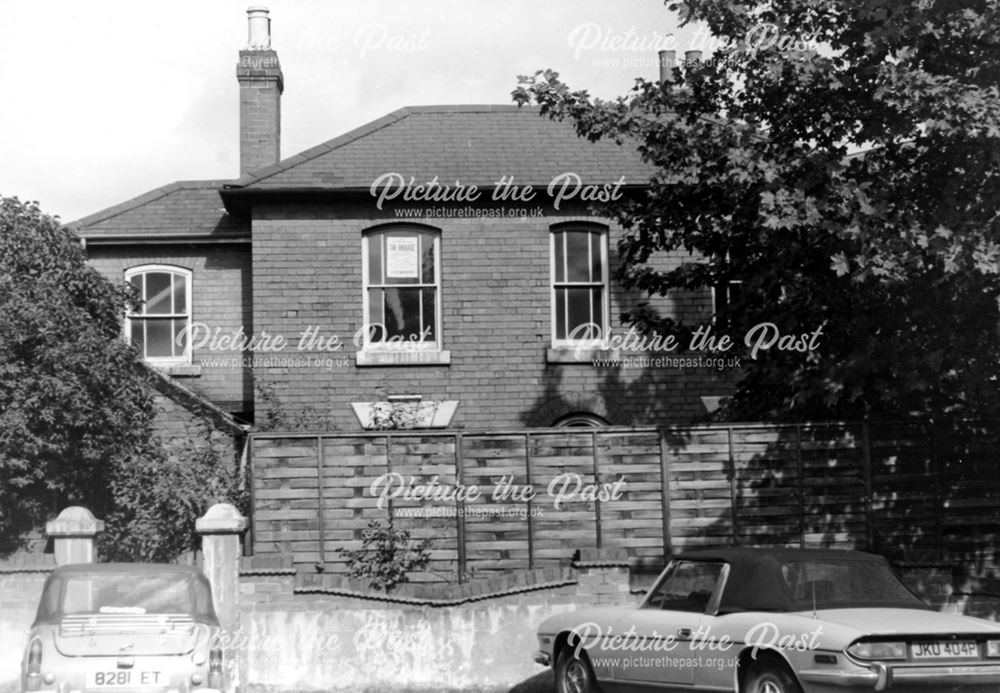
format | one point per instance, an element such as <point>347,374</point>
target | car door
<point>661,641</point>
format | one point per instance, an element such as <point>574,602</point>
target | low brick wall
<point>21,580</point>
<point>322,632</point>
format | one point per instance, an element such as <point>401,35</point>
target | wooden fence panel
<point>497,523</point>
<point>912,490</point>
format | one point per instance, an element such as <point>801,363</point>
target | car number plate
<point>945,649</point>
<point>115,678</point>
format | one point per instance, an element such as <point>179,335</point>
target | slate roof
<point>472,145</point>
<point>468,144</point>
<point>184,208</point>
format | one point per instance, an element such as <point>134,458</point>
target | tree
<point>73,405</point>
<point>841,159</point>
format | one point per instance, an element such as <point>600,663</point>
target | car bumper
<point>883,677</point>
<point>543,658</point>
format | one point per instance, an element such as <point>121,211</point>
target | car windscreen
<point>126,593</point>
<point>836,583</point>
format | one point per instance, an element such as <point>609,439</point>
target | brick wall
<point>181,429</point>
<point>221,296</point>
<point>496,322</point>
<point>21,580</point>
<point>315,633</point>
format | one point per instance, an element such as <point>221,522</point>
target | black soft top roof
<point>756,583</point>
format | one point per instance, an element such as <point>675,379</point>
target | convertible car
<point>773,621</point>
<point>124,627</point>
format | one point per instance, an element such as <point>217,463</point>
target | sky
<point>104,100</point>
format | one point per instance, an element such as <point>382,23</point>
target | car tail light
<point>215,667</point>
<point>878,650</point>
<point>35,657</point>
<point>993,648</point>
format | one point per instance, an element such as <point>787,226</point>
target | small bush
<point>387,556</point>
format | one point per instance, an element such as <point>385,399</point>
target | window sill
<point>177,370</point>
<point>402,357</point>
<point>581,356</point>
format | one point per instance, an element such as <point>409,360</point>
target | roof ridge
<point>143,199</point>
<point>364,130</point>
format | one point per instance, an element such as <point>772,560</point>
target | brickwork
<point>496,323</point>
<point>181,429</point>
<point>221,296</point>
<point>261,84</point>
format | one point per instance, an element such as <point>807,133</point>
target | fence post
<point>529,482</point>
<point>665,495</point>
<point>733,488</point>
<point>869,486</point>
<point>460,509</point>
<point>597,480</point>
<point>220,529</point>
<point>73,535</point>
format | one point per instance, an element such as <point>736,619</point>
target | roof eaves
<point>143,199</point>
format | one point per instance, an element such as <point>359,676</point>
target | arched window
<point>160,325</point>
<point>402,287</point>
<point>579,285</point>
<point>580,420</point>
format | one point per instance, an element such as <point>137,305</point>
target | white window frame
<point>367,346</point>
<point>130,273</point>
<point>727,285</point>
<point>557,232</point>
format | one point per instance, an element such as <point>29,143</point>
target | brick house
<point>437,267</point>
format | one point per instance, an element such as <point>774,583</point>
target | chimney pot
<point>259,34</point>
<point>667,60</point>
<point>692,56</point>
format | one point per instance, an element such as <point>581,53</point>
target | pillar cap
<point>221,518</point>
<point>74,521</point>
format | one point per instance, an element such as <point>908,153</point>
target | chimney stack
<point>692,57</point>
<point>667,60</point>
<point>261,84</point>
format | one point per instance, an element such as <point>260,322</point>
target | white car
<point>124,627</point>
<point>773,621</point>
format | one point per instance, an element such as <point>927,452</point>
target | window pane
<point>375,327</point>
<point>136,334</point>
<point>429,320</point>
<point>596,258</point>
<point>375,258</point>
<point>688,588</point>
<point>560,257</point>
<point>579,313</point>
<point>159,338</point>
<point>427,258</point>
<point>180,294</point>
<point>597,309</point>
<point>578,256</point>
<point>158,293</point>
<point>402,312</point>
<point>560,299</point>
<point>180,337</point>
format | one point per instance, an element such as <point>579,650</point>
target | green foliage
<point>387,556</point>
<point>72,403</point>
<point>273,415</point>
<point>159,497</point>
<point>896,251</point>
